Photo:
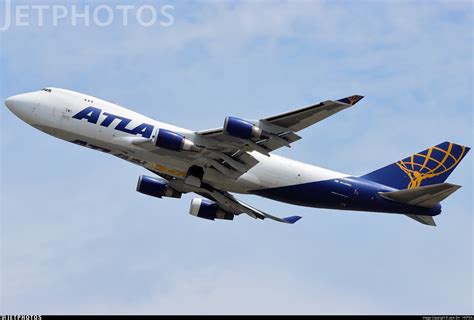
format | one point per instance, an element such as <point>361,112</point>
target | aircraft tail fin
<point>428,167</point>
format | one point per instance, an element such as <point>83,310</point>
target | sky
<point>76,238</point>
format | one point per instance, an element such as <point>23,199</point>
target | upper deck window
<point>46,89</point>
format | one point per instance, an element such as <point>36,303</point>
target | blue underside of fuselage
<point>349,193</point>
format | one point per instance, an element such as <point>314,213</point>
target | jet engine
<point>241,129</point>
<point>170,140</point>
<point>156,187</point>
<point>206,209</point>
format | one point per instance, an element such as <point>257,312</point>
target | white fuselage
<point>51,110</point>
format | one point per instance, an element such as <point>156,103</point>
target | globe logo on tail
<point>432,162</point>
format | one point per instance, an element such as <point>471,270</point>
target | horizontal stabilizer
<point>428,220</point>
<point>426,196</point>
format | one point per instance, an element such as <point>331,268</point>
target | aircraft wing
<point>227,150</point>
<point>227,201</point>
<point>299,119</point>
<point>231,145</point>
<point>284,125</point>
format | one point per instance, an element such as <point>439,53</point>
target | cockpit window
<point>46,89</point>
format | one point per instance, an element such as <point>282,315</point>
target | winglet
<point>291,219</point>
<point>352,100</point>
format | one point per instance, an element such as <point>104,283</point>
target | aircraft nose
<point>9,102</point>
<point>14,103</point>
<point>21,105</point>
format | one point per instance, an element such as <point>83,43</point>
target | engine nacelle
<point>241,129</point>
<point>206,209</point>
<point>156,188</point>
<point>170,140</point>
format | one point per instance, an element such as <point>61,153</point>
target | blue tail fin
<point>430,166</point>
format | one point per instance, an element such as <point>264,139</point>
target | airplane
<point>238,158</point>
